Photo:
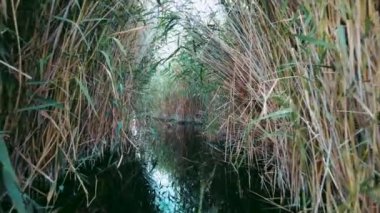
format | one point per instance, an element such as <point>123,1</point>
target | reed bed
<point>175,92</point>
<point>302,79</point>
<point>67,80</point>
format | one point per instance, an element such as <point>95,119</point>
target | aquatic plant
<point>302,81</point>
<point>68,73</point>
<point>290,87</point>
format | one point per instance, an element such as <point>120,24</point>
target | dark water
<point>174,171</point>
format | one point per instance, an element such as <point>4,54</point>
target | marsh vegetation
<point>236,104</point>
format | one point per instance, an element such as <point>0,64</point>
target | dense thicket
<point>302,80</point>
<point>67,71</point>
<point>290,86</point>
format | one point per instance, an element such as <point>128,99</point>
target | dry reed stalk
<point>303,82</point>
<point>77,102</point>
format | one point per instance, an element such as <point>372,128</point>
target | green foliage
<point>9,178</point>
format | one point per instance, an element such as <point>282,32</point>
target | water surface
<point>174,170</point>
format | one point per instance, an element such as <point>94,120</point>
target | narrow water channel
<point>174,171</point>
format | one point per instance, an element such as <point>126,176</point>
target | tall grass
<point>178,91</point>
<point>67,81</point>
<point>302,78</point>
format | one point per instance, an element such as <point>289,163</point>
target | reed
<point>176,92</point>
<point>293,85</point>
<point>68,71</point>
<point>302,80</point>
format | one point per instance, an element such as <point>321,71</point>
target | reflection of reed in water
<point>178,137</point>
<point>170,150</point>
<point>201,182</point>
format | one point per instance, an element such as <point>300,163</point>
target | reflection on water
<point>164,190</point>
<point>165,156</point>
<point>187,176</point>
<point>177,172</point>
<point>111,189</point>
